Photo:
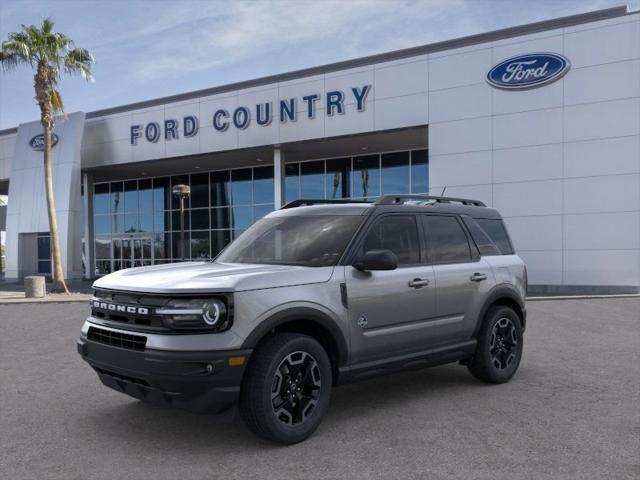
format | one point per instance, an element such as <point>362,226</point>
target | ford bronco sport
<point>313,295</point>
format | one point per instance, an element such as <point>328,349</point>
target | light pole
<point>182,192</point>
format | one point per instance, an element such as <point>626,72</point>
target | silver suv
<point>316,294</point>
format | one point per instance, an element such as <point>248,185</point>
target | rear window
<point>447,241</point>
<point>497,232</point>
<point>481,238</point>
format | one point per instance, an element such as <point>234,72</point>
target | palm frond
<point>79,61</point>
<point>56,101</point>
<point>47,26</point>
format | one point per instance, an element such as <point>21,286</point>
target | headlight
<point>199,314</point>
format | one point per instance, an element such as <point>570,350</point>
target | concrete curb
<point>73,298</point>
<point>581,297</point>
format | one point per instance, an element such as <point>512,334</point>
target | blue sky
<point>149,49</point>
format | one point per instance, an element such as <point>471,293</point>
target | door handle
<point>418,283</point>
<point>478,277</point>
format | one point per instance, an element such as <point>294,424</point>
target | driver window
<point>397,233</point>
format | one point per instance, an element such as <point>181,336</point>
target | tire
<point>297,369</point>
<point>500,345</point>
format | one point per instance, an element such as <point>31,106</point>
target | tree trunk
<point>59,284</point>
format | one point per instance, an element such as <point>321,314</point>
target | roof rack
<point>398,199</point>
<point>303,202</point>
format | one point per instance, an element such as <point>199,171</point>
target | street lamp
<point>182,192</point>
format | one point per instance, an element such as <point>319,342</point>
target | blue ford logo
<point>528,71</point>
<point>37,142</point>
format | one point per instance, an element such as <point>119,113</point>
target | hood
<point>200,277</point>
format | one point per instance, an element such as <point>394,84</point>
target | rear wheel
<point>499,347</point>
<point>286,388</point>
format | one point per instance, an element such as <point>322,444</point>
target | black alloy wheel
<point>499,347</point>
<point>296,387</point>
<point>504,343</point>
<point>286,389</point>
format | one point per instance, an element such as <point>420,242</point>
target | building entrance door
<point>132,251</point>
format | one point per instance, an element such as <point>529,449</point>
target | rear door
<point>462,277</point>
<point>389,310</point>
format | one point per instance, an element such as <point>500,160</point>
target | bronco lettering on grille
<point>114,307</point>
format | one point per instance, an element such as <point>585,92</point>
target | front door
<point>132,251</point>
<point>389,311</point>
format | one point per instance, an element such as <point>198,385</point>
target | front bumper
<point>201,381</point>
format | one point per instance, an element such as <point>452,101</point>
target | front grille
<point>117,339</point>
<point>145,321</point>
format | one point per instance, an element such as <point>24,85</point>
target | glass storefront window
<point>199,245</point>
<point>366,176</point>
<point>312,179</point>
<point>337,184</point>
<point>263,185</point>
<point>117,192</point>
<point>242,217</point>
<point>220,189</point>
<point>219,240</point>
<point>241,193</point>
<point>101,199</point>
<point>292,182</point>
<point>200,190</point>
<point>225,203</point>
<point>220,218</point>
<point>131,203</point>
<point>200,219</point>
<point>175,220</point>
<point>145,195</point>
<point>260,211</point>
<point>420,171</point>
<point>161,194</point>
<point>161,222</point>
<point>395,172</point>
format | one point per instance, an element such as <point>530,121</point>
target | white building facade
<point>540,121</point>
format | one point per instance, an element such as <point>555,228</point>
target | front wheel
<point>499,347</point>
<point>286,388</point>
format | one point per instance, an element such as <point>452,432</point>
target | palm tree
<point>50,55</point>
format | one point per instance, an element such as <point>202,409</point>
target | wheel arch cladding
<point>306,321</point>
<point>506,296</point>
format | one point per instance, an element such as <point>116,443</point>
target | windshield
<point>310,241</point>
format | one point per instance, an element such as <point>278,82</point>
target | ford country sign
<point>37,142</point>
<point>528,71</point>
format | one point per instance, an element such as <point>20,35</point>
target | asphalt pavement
<point>571,412</point>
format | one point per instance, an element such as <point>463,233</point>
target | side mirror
<point>377,260</point>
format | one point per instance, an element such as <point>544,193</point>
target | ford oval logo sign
<point>37,142</point>
<point>528,71</point>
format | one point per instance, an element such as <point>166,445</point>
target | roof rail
<point>396,199</point>
<point>306,202</point>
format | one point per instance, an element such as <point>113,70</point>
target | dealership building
<point>541,121</point>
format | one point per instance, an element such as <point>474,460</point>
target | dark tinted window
<point>496,231</point>
<point>447,242</point>
<point>482,240</point>
<point>398,234</point>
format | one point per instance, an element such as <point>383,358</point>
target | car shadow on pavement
<point>157,427</point>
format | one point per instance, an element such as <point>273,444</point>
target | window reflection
<point>292,182</point>
<point>366,176</point>
<point>337,183</point>
<point>312,179</point>
<point>420,171</point>
<point>395,172</point>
